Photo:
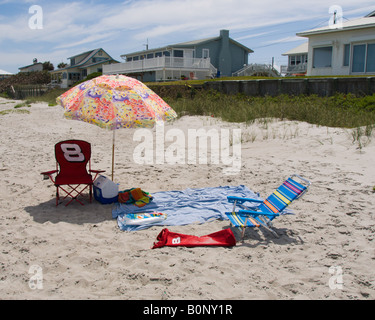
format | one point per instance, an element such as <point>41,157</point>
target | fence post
<point>307,86</point>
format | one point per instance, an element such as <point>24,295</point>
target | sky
<point>56,30</point>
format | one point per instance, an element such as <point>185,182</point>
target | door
<point>205,53</point>
<point>188,58</point>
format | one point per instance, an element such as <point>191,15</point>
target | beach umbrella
<point>114,102</point>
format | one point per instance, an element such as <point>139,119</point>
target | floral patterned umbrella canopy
<point>114,102</point>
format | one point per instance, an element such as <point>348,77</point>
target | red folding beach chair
<point>72,176</point>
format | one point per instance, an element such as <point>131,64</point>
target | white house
<point>4,74</point>
<point>36,66</point>
<point>342,49</point>
<point>297,60</point>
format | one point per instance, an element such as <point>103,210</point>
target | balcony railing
<point>157,64</point>
<point>255,69</point>
<point>298,69</point>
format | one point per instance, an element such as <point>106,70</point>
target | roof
<point>89,54</point>
<point>302,48</point>
<point>3,72</point>
<point>30,65</point>
<point>361,23</point>
<point>187,45</point>
<point>202,41</point>
<point>196,42</point>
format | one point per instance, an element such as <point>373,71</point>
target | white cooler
<point>105,190</point>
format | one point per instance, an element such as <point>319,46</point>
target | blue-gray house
<point>199,59</point>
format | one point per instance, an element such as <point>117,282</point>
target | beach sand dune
<point>325,251</point>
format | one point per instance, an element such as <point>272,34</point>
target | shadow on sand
<point>259,236</point>
<point>74,213</point>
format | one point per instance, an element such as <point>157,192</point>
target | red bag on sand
<point>224,238</point>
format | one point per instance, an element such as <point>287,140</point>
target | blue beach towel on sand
<point>185,207</point>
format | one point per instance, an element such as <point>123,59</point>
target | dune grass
<point>340,110</point>
<point>345,111</point>
<point>49,97</point>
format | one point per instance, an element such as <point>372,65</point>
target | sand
<point>325,251</point>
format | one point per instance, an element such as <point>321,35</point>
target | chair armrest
<point>242,200</point>
<point>97,171</point>
<point>48,173</point>
<point>258,213</point>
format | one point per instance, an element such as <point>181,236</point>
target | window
<point>359,57</point>
<point>136,58</point>
<point>74,76</point>
<point>150,55</point>
<point>158,54</point>
<point>322,57</point>
<point>292,60</point>
<point>129,59</point>
<point>178,53</point>
<point>296,60</point>
<point>370,64</point>
<point>363,58</point>
<point>96,59</point>
<point>346,55</point>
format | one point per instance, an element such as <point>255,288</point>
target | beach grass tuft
<point>49,97</point>
<point>4,112</point>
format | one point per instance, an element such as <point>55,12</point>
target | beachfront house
<point>198,59</point>
<point>4,74</point>
<point>297,60</point>
<point>81,65</point>
<point>346,48</point>
<point>36,66</point>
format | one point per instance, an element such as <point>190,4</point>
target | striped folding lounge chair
<point>268,209</point>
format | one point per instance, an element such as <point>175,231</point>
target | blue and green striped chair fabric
<point>270,208</point>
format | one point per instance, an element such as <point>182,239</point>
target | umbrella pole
<point>113,153</point>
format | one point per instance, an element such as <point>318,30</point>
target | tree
<point>48,66</point>
<point>61,65</point>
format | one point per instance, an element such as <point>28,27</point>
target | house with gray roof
<point>36,66</point>
<point>81,65</point>
<point>198,59</point>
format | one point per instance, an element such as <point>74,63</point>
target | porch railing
<point>157,63</point>
<point>299,68</point>
<point>255,69</point>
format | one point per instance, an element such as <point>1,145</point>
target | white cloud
<point>284,40</point>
